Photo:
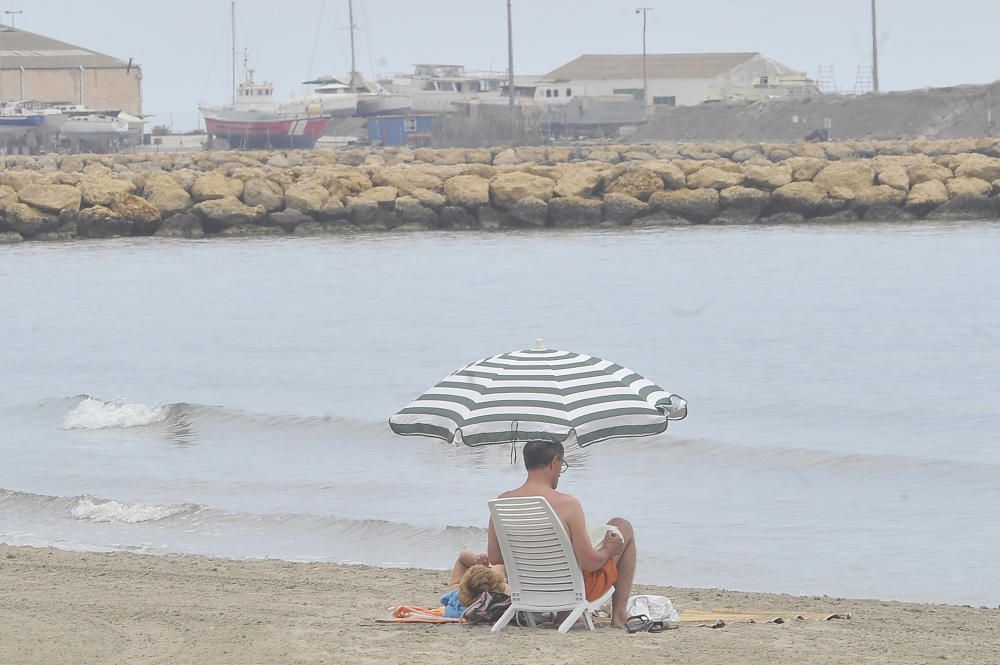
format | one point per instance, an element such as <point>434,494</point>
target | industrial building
<point>38,68</point>
<point>675,79</point>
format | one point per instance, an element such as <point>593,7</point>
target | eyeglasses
<point>564,467</point>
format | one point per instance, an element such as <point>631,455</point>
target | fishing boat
<point>255,121</point>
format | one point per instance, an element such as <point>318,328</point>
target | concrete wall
<point>102,88</point>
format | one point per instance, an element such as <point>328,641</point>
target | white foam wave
<point>96,414</point>
<point>98,510</point>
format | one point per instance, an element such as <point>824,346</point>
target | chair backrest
<point>541,567</point>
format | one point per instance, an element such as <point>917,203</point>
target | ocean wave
<point>93,414</point>
<point>109,510</point>
<point>202,518</point>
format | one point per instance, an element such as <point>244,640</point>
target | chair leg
<point>573,617</point>
<point>504,620</point>
<point>590,622</point>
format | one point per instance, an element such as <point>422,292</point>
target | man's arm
<point>493,546</point>
<point>588,557</point>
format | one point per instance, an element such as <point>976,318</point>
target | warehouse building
<point>38,68</point>
<point>675,79</point>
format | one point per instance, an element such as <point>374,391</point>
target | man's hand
<point>612,545</point>
<point>483,560</point>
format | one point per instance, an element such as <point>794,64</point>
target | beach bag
<point>488,608</point>
<point>657,608</point>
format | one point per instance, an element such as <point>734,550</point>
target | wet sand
<point>76,607</point>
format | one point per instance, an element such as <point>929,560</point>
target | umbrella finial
<point>539,345</point>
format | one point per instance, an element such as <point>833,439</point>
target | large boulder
<point>804,168</point>
<point>740,205</point>
<point>370,215</point>
<point>529,212</point>
<point>430,199</point>
<point>406,179</point>
<point>509,188</point>
<point>288,220</point>
<point>307,196</point>
<point>10,237</point>
<point>181,225</point>
<point>966,186</point>
<point>164,194</point>
<point>579,182</point>
<point>218,214</point>
<point>410,212</point>
<point>673,176</point>
<point>102,222</point>
<point>16,179</point>
<point>622,209</point>
<point>383,195</point>
<point>30,222</point>
<point>265,193</point>
<point>713,177</point>
<point>894,176</point>
<point>879,202</point>
<point>214,185</point>
<point>805,198</point>
<point>143,215</point>
<point>468,191</point>
<point>575,211</point>
<point>851,175</point>
<point>344,183</point>
<point>101,190</point>
<point>457,218</point>
<point>51,198</point>
<point>926,196</point>
<point>637,183</point>
<point>926,171</point>
<point>769,177</point>
<point>695,205</point>
<point>8,197</point>
<point>977,166</point>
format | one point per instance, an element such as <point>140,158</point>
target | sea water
<point>231,397</point>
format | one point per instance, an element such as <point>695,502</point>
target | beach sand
<point>77,607</point>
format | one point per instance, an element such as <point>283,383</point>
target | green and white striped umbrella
<point>540,394</point>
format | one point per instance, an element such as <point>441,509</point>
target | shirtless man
<point>612,562</point>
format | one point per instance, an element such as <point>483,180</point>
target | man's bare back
<point>544,463</point>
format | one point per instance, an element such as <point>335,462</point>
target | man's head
<point>545,459</point>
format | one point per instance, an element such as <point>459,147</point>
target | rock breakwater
<point>320,192</point>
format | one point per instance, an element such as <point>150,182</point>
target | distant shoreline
<point>61,606</point>
<point>302,193</point>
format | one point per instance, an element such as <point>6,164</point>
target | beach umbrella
<point>540,394</point>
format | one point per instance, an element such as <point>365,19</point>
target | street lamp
<point>12,13</point>
<point>645,82</point>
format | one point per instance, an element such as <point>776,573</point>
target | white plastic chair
<point>542,569</point>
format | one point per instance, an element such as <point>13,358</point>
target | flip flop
<point>637,623</point>
<point>655,627</point>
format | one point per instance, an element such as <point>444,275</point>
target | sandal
<point>638,623</point>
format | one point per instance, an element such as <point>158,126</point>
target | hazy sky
<point>184,50</point>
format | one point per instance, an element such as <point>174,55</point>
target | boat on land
<point>254,121</point>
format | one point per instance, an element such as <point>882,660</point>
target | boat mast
<point>350,20</point>
<point>232,17</point>
<point>874,51</point>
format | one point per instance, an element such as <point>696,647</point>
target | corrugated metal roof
<point>20,48</point>
<point>658,66</point>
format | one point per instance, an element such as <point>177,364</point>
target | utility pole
<point>645,81</point>
<point>232,20</point>
<point>350,20</point>
<point>12,13</point>
<point>510,66</point>
<point>874,51</point>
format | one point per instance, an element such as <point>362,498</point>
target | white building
<point>675,79</point>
